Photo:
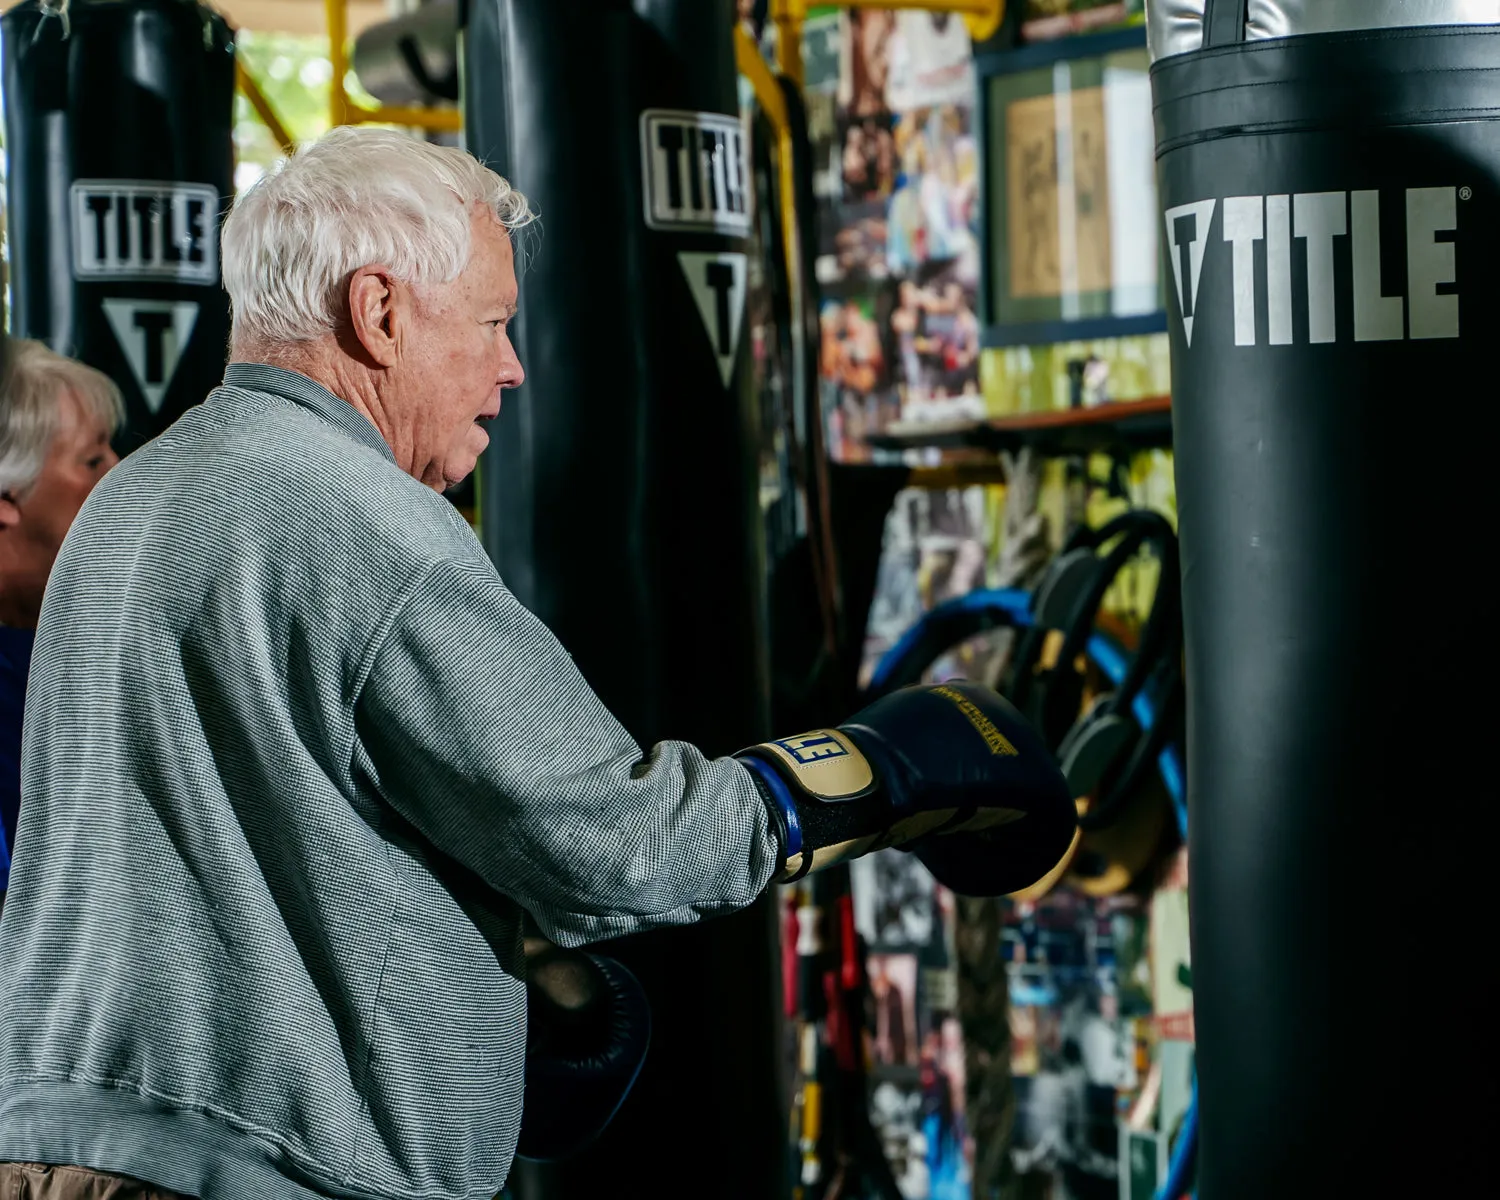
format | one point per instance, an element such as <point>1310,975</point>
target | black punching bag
<point>117,132</point>
<point>1332,220</point>
<point>619,500</point>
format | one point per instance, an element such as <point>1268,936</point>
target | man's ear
<point>10,513</point>
<point>374,304</point>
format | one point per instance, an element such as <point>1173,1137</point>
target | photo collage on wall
<point>917,1050</point>
<point>891,100</point>
<point>1081,1033</point>
<point>891,113</point>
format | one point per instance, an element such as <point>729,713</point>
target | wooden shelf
<point>1123,425</point>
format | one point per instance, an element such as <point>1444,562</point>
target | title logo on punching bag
<point>134,229</point>
<point>1262,281</point>
<point>695,171</point>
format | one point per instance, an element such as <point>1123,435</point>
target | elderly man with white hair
<point>57,417</point>
<point>296,763</point>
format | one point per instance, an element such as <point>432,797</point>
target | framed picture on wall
<point>1071,246</point>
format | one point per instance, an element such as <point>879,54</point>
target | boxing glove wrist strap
<point>823,799</point>
<point>785,819</point>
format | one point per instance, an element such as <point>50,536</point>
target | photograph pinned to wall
<point>827,156</point>
<point>1047,20</point>
<point>1025,1039</point>
<point>896,1114</point>
<point>954,555</point>
<point>893,997</point>
<point>935,327</point>
<point>944,1130</point>
<point>1144,1162</point>
<point>1171,957</point>
<point>897,601</point>
<point>867,158</point>
<point>1066,1130</point>
<point>865,60</point>
<point>894,908</point>
<point>935,547</point>
<point>852,241</point>
<point>1073,964</point>
<point>822,54</point>
<point>931,62</point>
<point>853,417</point>
<point>934,210</point>
<point>853,352</point>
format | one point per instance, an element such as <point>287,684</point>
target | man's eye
<point>96,462</point>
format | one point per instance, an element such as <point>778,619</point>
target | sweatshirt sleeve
<point>474,724</point>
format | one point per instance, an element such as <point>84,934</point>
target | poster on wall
<point>1058,248</point>
<point>1072,209</point>
<point>853,347</point>
<point>931,62</point>
<point>867,156</point>
<point>852,241</point>
<point>1171,958</point>
<point>822,53</point>
<point>894,907</point>
<point>864,60</point>
<point>853,417</point>
<point>893,995</point>
<point>916,1041</point>
<point>934,206</point>
<point>1075,967</point>
<point>936,331</point>
<point>936,547</point>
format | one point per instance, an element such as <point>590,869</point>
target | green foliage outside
<point>293,72</point>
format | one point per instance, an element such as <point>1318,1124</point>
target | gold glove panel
<point>825,764</point>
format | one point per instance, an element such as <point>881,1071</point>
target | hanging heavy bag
<point>118,117</point>
<point>1331,204</point>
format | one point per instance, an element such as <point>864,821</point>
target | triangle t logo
<point>1187,235</point>
<point>152,335</point>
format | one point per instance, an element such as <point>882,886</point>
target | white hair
<point>352,198</point>
<point>34,382</point>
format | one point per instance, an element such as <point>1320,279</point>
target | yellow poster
<point>1058,183</point>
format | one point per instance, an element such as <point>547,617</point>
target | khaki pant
<point>37,1181</point>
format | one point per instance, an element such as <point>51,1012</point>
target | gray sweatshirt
<point>294,763</point>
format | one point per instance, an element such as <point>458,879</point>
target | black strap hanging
<point>1224,22</point>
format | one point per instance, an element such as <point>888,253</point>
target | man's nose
<point>512,374</point>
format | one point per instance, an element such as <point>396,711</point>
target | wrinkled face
<point>77,458</point>
<point>459,359</point>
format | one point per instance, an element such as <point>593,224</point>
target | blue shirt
<point>15,661</point>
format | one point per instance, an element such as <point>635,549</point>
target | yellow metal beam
<point>434,120</point>
<point>251,91</point>
<point>773,103</point>
<point>335,14</point>
<point>341,111</point>
<point>788,17</point>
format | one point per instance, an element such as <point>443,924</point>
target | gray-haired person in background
<point>296,763</point>
<point>57,417</point>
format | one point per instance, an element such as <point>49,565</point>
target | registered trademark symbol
<point>1466,193</point>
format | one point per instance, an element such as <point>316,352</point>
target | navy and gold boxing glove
<point>588,1027</point>
<point>951,772</point>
